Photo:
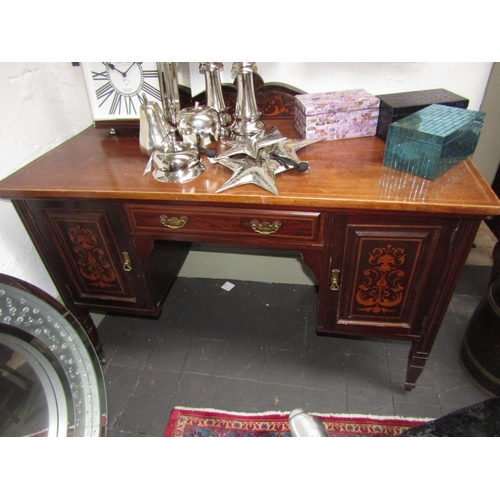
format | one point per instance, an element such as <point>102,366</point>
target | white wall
<point>487,154</point>
<point>44,104</point>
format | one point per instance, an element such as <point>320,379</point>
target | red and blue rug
<point>198,422</point>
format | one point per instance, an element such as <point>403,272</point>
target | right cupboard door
<point>381,274</point>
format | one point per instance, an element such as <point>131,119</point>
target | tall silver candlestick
<point>214,93</point>
<point>246,115</point>
<point>169,88</point>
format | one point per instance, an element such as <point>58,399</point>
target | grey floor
<point>255,348</point>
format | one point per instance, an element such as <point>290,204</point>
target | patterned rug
<point>197,422</point>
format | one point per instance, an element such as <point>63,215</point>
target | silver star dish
<point>250,146</point>
<point>262,170</point>
<point>288,148</point>
<point>250,171</point>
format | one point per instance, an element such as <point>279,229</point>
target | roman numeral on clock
<point>116,105</point>
<point>129,106</point>
<point>149,89</point>
<point>150,73</point>
<point>104,92</point>
<point>99,75</point>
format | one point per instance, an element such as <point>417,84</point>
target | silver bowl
<point>181,165</point>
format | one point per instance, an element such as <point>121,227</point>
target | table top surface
<point>343,174</point>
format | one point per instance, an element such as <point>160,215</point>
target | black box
<point>393,107</point>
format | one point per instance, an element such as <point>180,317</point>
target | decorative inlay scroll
<point>91,259</point>
<point>272,102</point>
<point>384,284</point>
<point>273,99</point>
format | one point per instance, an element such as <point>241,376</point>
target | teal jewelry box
<point>431,141</point>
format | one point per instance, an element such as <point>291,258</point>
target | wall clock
<point>114,89</point>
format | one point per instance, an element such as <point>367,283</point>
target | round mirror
<point>51,382</point>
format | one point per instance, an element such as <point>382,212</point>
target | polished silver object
<point>303,424</point>
<point>167,144</point>
<point>180,163</point>
<point>277,157</point>
<point>250,146</point>
<point>153,127</point>
<point>250,170</point>
<point>215,100</point>
<point>199,125</point>
<point>285,153</point>
<point>247,121</point>
<point>169,89</point>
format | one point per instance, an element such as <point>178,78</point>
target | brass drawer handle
<point>173,222</point>
<point>127,262</point>
<point>265,227</point>
<point>334,282</point>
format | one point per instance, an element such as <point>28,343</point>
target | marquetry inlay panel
<point>86,242</point>
<point>384,275</point>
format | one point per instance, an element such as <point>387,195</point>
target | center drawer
<point>222,224</point>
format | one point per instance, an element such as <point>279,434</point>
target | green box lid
<point>437,124</point>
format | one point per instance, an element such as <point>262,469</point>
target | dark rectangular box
<point>393,107</point>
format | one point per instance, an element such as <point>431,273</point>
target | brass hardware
<point>265,227</point>
<point>127,263</point>
<point>334,283</point>
<point>173,222</point>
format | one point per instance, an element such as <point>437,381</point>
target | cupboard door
<point>376,276</point>
<point>89,255</point>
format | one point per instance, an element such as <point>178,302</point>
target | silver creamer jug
<point>154,127</point>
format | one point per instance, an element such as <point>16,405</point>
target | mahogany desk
<point>386,247</point>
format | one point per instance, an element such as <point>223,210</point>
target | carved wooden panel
<point>88,247</point>
<point>383,270</point>
<point>377,277</point>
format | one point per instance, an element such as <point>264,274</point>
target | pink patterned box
<point>336,115</point>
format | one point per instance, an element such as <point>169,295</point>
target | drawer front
<point>218,223</point>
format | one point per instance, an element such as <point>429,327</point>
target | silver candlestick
<point>246,116</point>
<point>169,88</point>
<point>214,93</point>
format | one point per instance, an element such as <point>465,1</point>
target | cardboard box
<point>336,115</point>
<point>431,141</point>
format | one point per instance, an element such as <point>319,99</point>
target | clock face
<point>114,88</point>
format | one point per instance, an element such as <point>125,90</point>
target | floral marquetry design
<point>91,259</point>
<point>383,280</point>
<point>275,103</point>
